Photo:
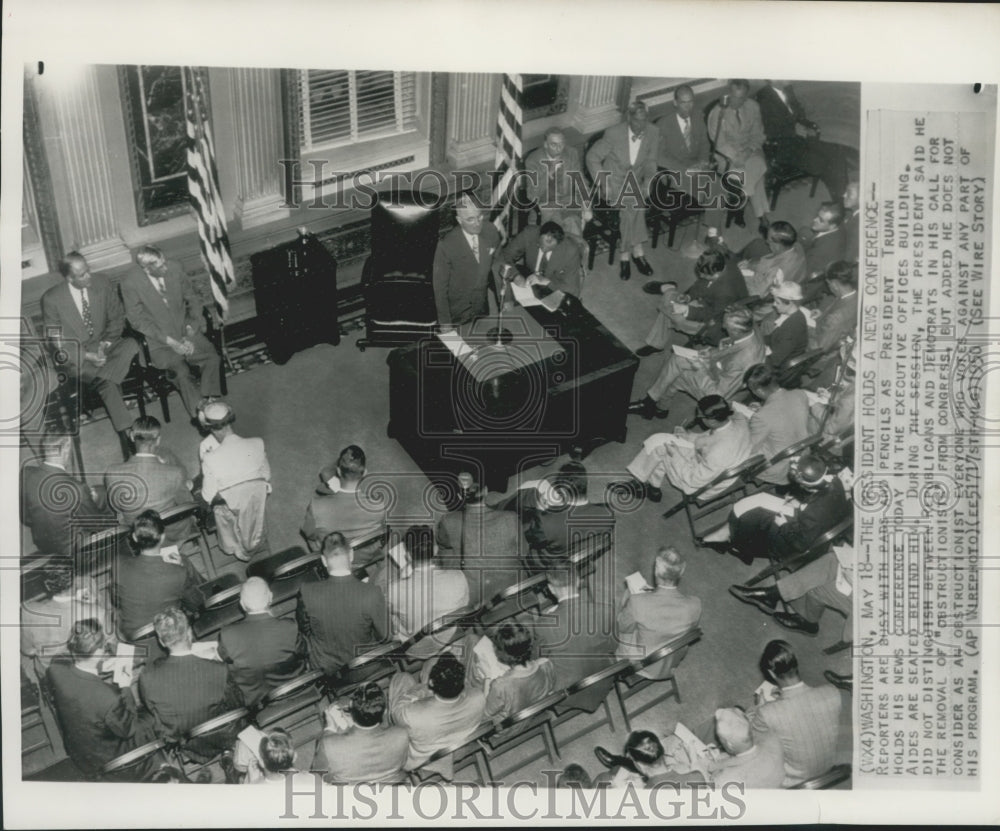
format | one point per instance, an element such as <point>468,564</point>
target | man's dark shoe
<point>764,599</point>
<point>795,622</point>
<point>625,270</point>
<point>654,287</point>
<point>739,219</point>
<point>841,682</point>
<point>724,547</point>
<point>646,407</point>
<point>646,351</point>
<point>839,646</point>
<point>641,263</point>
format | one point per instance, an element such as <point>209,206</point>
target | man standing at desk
<point>462,265</point>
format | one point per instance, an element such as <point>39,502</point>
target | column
<point>257,116</point>
<point>473,105</point>
<point>598,103</point>
<point>73,130</point>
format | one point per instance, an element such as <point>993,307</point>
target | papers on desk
<point>637,583</point>
<point>742,409</point>
<point>124,661</point>
<point>524,295</point>
<point>209,650</point>
<point>455,343</point>
<point>684,352</point>
<point>171,554</point>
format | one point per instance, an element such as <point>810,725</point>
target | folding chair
<point>567,711</point>
<point>463,753</point>
<point>629,682</point>
<point>219,731</point>
<point>796,449</point>
<point>373,667</point>
<point>295,706</point>
<point>32,717</point>
<point>791,374</point>
<point>531,722</point>
<point>523,596</point>
<point>834,776</point>
<point>192,510</point>
<point>740,474</point>
<point>118,768</point>
<point>814,552</point>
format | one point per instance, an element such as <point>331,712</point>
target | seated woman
<point>501,664</point>
<point>646,761</point>
<point>785,330</point>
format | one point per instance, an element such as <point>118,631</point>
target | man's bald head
<point>255,596</point>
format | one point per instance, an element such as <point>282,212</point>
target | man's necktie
<point>739,119</point>
<point>542,264</point>
<point>475,247</point>
<point>161,287</point>
<point>686,132</point>
<point>88,321</point>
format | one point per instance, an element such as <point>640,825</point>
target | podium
<point>295,290</point>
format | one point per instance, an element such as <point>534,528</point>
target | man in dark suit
<point>797,137</point>
<point>805,719</point>
<point>161,303</point>
<point>824,244</point>
<point>54,504</point>
<point>838,318</point>
<point>145,481</point>
<point>786,335</point>
<point>262,651</point>
<point>622,164</point>
<point>463,261</point>
<point>341,616</point>
<point>83,316</point>
<point>482,542</point>
<point>547,256</point>
<point>852,222</point>
<point>182,690</point>
<point>552,184</point>
<point>655,616</point>
<point>99,721</point>
<point>685,153</point>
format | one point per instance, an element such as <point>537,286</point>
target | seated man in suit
<point>784,262</point>
<point>146,482</point>
<point>752,761</point>
<point>851,201</point>
<point>797,138</point>
<point>369,750</point>
<point>547,257</point>
<point>685,154</point>
<point>56,506</point>
<point>463,261</point>
<point>838,318</point>
<point>338,505</point>
<point>84,318</point>
<point>340,617</point>
<point>161,303</point>
<point>147,581</point>
<point>437,711</point>
<point>622,164</point>
<point>566,521</point>
<point>99,721</point>
<point>689,460</point>
<point>805,719</point>
<point>824,244</point>
<point>658,614</point>
<point>781,420</point>
<point>182,690</point>
<point>553,182</point>
<point>262,651</point>
<point>763,524</point>
<point>786,329</point>
<point>482,542</point>
<point>236,479</point>
<point>714,371</point>
<point>718,284</point>
<point>422,592</point>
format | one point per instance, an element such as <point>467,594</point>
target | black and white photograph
<point>435,443</point>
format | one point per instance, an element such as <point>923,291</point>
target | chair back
<point>834,776</point>
<point>733,473</point>
<point>520,597</point>
<point>134,757</point>
<point>404,233</point>
<point>671,653</point>
<point>796,449</point>
<point>287,562</point>
<point>485,729</point>
<point>290,688</point>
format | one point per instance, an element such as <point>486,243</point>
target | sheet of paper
<point>677,441</point>
<point>124,660</point>
<point>766,692</point>
<point>684,352</point>
<point>171,554</point>
<point>742,409</point>
<point>695,745</point>
<point>636,583</point>
<point>251,736</point>
<point>524,295</point>
<point>551,301</point>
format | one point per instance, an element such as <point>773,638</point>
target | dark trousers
<point>106,380</point>
<point>178,370</point>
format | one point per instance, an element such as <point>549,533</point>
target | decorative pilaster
<point>598,107</point>
<point>78,133</point>
<point>257,117</point>
<point>473,104</point>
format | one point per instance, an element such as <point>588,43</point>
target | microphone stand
<point>498,335</point>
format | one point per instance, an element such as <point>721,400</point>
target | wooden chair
<point>723,162</point>
<point>669,208</point>
<point>221,729</point>
<point>523,596</point>
<point>585,558</point>
<point>32,718</point>
<point>605,224</point>
<point>189,511</point>
<point>221,591</point>
<point>795,449</point>
<point>795,369</point>
<point>814,552</point>
<point>780,173</point>
<point>463,753</point>
<point>629,682</point>
<point>295,706</point>
<point>696,506</point>
<point>373,667</point>
<point>118,767</point>
<point>567,711</point>
<point>533,721</point>
<point>834,776</point>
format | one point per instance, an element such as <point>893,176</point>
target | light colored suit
<point>690,469</point>
<point>806,720</point>
<point>720,372</point>
<point>649,620</point>
<point>375,754</point>
<point>429,593</point>
<point>611,153</point>
<point>762,766</point>
<point>781,421</point>
<point>236,460</point>
<point>790,262</point>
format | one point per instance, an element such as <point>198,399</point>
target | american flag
<point>509,152</point>
<point>203,187</point>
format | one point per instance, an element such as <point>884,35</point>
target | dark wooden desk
<point>449,420</point>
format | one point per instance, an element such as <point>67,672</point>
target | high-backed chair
<point>396,278</point>
<point>669,208</point>
<point>723,162</point>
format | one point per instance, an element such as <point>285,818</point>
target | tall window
<point>340,107</point>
